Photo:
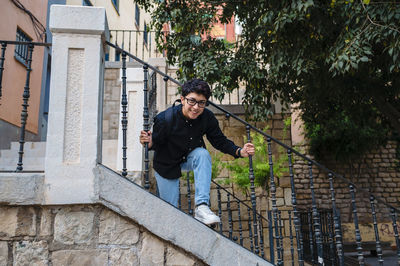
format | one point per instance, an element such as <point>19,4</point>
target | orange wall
<point>226,31</point>
<point>14,73</point>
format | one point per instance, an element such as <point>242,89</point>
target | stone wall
<point>80,235</point>
<point>111,104</point>
<point>376,171</point>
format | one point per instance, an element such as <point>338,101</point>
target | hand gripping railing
<point>320,234</point>
<point>27,48</point>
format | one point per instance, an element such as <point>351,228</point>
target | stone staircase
<point>33,160</point>
<point>147,230</point>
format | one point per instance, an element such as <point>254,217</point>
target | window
<point>21,50</point>
<point>116,5</point>
<point>145,34</point>
<point>137,15</point>
<point>86,3</point>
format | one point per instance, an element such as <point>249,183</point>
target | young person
<point>177,140</point>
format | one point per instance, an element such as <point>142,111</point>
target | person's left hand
<point>248,149</point>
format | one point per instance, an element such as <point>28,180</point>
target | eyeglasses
<point>193,102</point>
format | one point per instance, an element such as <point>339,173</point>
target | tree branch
<point>375,23</point>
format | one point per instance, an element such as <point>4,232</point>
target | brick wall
<point>236,132</point>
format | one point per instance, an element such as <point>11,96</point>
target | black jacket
<point>173,143</point>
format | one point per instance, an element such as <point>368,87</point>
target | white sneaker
<point>205,215</point>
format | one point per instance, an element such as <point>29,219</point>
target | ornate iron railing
<point>29,47</point>
<point>309,240</point>
<point>324,230</point>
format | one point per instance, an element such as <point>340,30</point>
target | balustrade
<point>317,235</point>
<point>314,234</point>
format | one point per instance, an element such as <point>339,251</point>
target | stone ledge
<point>132,201</point>
<point>73,19</point>
<point>169,223</point>
<point>21,188</point>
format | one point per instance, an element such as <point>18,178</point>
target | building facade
<point>21,20</point>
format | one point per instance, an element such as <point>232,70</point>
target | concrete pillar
<point>76,91</point>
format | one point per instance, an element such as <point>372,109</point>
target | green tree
<point>338,60</point>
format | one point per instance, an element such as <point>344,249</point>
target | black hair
<point>197,86</point>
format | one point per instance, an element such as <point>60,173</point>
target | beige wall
<point>14,74</point>
<point>124,19</point>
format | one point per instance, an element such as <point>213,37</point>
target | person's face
<point>190,105</point>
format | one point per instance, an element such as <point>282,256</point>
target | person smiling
<point>177,141</point>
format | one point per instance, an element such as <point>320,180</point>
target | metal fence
<point>25,51</point>
<point>324,228</point>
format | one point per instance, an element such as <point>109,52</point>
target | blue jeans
<point>198,161</point>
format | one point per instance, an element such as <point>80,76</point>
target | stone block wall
<point>111,104</point>
<point>377,171</point>
<point>80,235</point>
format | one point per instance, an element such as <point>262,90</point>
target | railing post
<point>2,58</point>
<point>146,127</point>
<point>356,227</point>
<point>219,209</point>
<point>260,227</point>
<point>250,231</point>
<point>311,236</point>
<point>253,195</point>
<point>124,111</point>
<point>24,113</point>
<point>240,223</point>
<point>291,237</point>
<point>280,222</point>
<point>377,241</point>
<point>336,223</point>
<point>396,233</point>
<point>316,219</point>
<point>332,253</point>
<point>228,207</point>
<point>297,224</point>
<point>271,238</point>
<point>273,200</point>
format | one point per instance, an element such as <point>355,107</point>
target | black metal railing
<point>327,239</point>
<point>29,48</point>
<point>138,42</point>
<point>325,235</point>
<point>237,221</point>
